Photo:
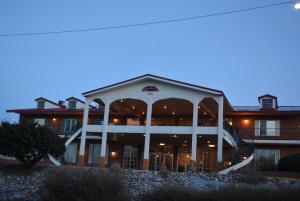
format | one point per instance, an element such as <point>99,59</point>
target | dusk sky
<point>243,54</point>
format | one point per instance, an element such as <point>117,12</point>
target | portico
<point>154,106</point>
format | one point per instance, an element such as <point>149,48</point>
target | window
<point>267,127</point>
<point>72,105</point>
<point>266,159</point>
<point>130,157</point>
<point>40,104</point>
<point>40,122</point>
<point>71,125</point>
<point>94,153</point>
<point>267,103</point>
<point>71,152</point>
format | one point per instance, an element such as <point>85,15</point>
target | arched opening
<point>128,112</point>
<point>208,112</point>
<point>172,112</point>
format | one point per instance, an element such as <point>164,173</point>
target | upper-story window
<point>40,104</point>
<point>267,103</point>
<point>71,125</point>
<point>72,105</point>
<point>267,127</point>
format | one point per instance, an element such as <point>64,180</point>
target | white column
<point>104,127</point>
<point>147,133</point>
<point>220,129</point>
<point>84,126</point>
<point>195,126</point>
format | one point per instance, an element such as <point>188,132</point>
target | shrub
<point>229,193</point>
<point>290,163</point>
<point>66,184</point>
<point>163,171</point>
<point>29,142</point>
<point>115,169</point>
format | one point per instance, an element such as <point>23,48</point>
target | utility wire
<point>151,22</point>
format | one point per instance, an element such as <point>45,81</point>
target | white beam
<point>148,126</point>
<point>220,129</point>
<point>84,126</point>
<point>104,127</point>
<point>195,129</point>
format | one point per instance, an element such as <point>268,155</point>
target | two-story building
<point>149,120</point>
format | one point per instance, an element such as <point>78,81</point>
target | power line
<point>150,23</point>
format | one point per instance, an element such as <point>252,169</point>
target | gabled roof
<point>163,79</point>
<point>155,77</point>
<point>74,98</point>
<point>49,101</point>
<point>267,95</point>
<point>77,99</point>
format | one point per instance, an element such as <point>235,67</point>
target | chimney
<point>61,102</point>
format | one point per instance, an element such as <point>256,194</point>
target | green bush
<point>29,142</point>
<point>290,163</point>
<point>72,184</point>
<point>163,172</point>
<point>231,193</point>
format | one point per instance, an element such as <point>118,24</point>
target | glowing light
<point>143,113</point>
<point>173,113</point>
<point>208,141</point>
<point>211,145</point>
<point>161,144</point>
<point>185,141</point>
<point>205,113</point>
<point>297,6</point>
<point>116,120</point>
<point>133,107</point>
<point>244,157</point>
<point>246,121</point>
<point>229,163</point>
<point>121,101</point>
<point>165,107</point>
<point>200,136</point>
<point>54,119</point>
<point>113,154</point>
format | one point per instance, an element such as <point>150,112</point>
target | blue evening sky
<point>245,54</point>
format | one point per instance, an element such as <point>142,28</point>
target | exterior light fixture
<point>133,107</point>
<point>297,5</point>
<point>175,136</point>
<point>113,154</point>
<point>185,141</point>
<point>165,107</point>
<point>173,113</point>
<point>161,144</point>
<point>121,101</point>
<point>200,136</point>
<point>246,121</point>
<point>244,157</point>
<point>54,119</point>
<point>204,113</point>
<point>143,113</point>
<point>211,145</point>
<point>116,120</point>
<point>208,141</point>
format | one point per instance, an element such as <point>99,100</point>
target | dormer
<point>43,103</point>
<point>268,101</point>
<point>74,103</point>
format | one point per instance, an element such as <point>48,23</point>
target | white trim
<point>291,142</point>
<point>153,78</point>
<point>237,166</point>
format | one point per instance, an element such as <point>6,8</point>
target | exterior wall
<point>289,127</point>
